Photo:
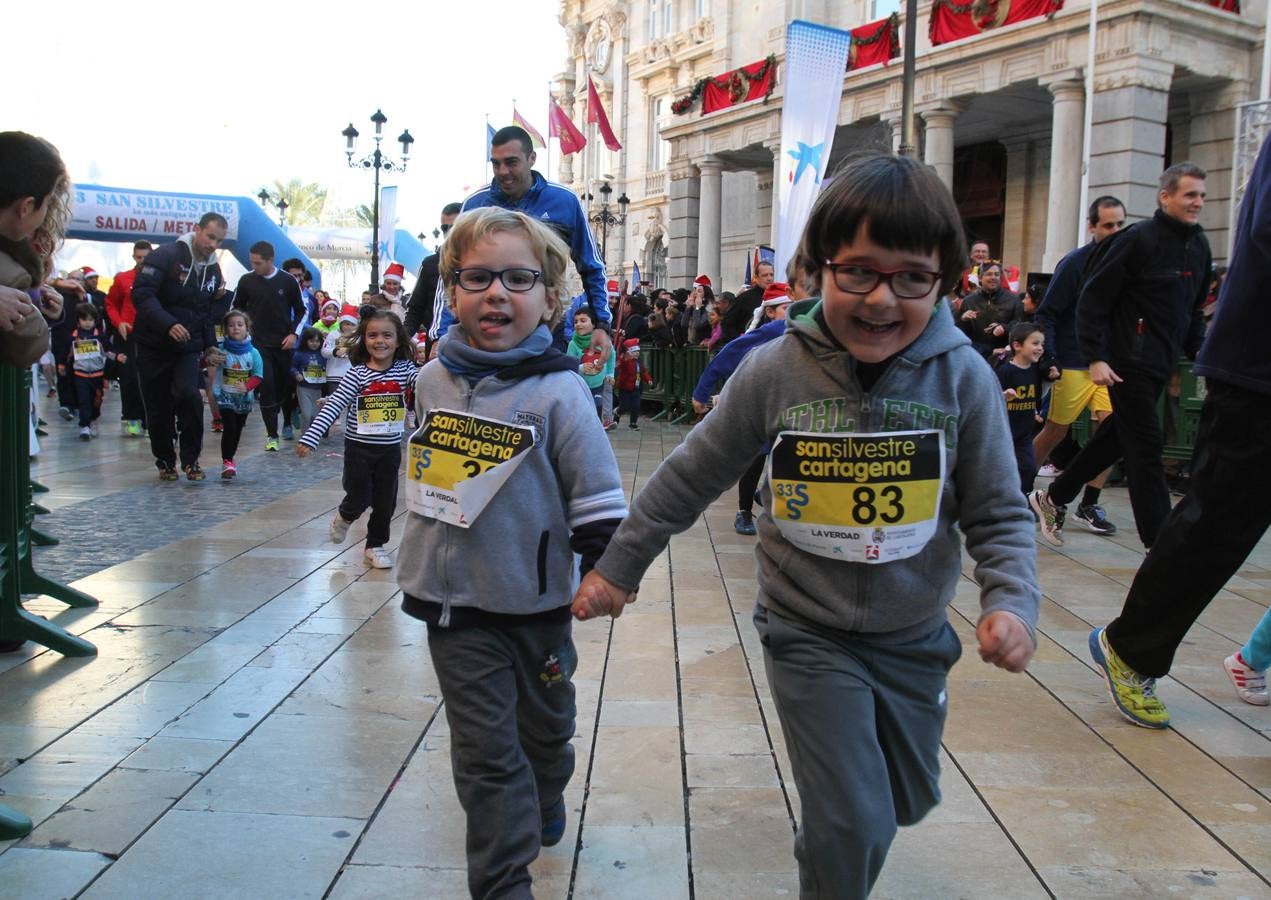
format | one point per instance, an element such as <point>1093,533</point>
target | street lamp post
<point>281,204</point>
<point>377,161</point>
<point>605,218</point>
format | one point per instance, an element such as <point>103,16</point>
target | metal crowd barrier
<point>675,372</point>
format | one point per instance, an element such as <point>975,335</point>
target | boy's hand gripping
<point>597,596</point>
<point>1004,641</point>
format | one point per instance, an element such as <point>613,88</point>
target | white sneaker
<point>377,558</point>
<point>339,529</point>
<point>1049,471</point>
<point>93,429</point>
<point>85,434</point>
<point>1250,684</point>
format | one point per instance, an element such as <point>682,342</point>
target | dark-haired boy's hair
<point>1021,330</point>
<point>585,310</point>
<point>210,218</point>
<point>263,249</point>
<point>87,311</point>
<point>309,333</point>
<point>292,263</point>
<point>359,355</point>
<point>903,203</point>
<point>509,133</point>
<point>1104,202</point>
<point>142,245</point>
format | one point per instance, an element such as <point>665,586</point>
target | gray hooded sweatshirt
<point>802,381</point>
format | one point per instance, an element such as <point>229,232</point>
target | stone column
<point>1127,143</point>
<point>774,147</point>
<point>1210,141</point>
<point>896,124</point>
<point>682,230</point>
<point>938,151</point>
<point>710,225</point>
<point>1065,202</point>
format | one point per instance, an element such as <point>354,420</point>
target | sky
<point>224,98</point>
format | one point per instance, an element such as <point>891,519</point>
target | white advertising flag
<point>388,225</point>
<point>816,61</point>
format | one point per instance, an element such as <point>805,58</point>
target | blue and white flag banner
<point>388,224</point>
<point>816,60</point>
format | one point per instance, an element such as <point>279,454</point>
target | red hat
<point>703,280</point>
<point>88,272</point>
<point>776,293</point>
<point>349,313</point>
<point>631,344</point>
<point>394,272</point>
<point>612,287</point>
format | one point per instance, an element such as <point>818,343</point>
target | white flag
<point>388,225</point>
<point>816,62</point>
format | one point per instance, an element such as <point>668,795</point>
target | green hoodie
<point>802,381</point>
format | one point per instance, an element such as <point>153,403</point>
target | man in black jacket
<point>1140,308</point>
<point>419,311</point>
<point>742,310</point>
<point>173,294</point>
<point>1227,509</point>
<point>272,298</point>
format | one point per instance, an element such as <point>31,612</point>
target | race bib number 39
<point>383,413</point>
<point>869,498</point>
<point>458,462</point>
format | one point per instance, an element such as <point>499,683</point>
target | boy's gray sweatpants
<point>509,700</point>
<point>862,722</point>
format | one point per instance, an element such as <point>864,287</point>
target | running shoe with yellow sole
<point>1133,694</point>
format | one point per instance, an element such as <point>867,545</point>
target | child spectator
<point>309,371</point>
<point>631,375</point>
<point>335,348</point>
<point>374,391</point>
<point>1021,378</point>
<point>595,368</point>
<point>233,383</point>
<point>87,359</point>
<point>499,633</point>
<point>717,329</point>
<point>328,317</point>
<point>869,384</point>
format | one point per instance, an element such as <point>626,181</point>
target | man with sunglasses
<point>419,311</point>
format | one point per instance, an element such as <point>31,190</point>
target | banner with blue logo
<point>816,61</point>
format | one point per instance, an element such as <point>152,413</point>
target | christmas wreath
<point>737,83</point>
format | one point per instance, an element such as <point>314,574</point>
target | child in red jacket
<point>631,374</point>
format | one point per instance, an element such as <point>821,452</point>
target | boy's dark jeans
<point>1131,434</point>
<point>1207,536</point>
<point>509,701</point>
<point>88,394</point>
<point>370,480</point>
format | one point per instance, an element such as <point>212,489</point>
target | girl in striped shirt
<point>374,393</point>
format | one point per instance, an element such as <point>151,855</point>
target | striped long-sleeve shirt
<point>375,403</point>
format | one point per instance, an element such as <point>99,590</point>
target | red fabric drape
<point>951,21</point>
<point>727,89</point>
<point>876,42</point>
<point>1231,6</point>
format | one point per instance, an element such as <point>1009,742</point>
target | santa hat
<point>394,272</point>
<point>611,287</point>
<point>335,303</point>
<point>776,293</point>
<point>703,280</point>
<point>349,313</point>
<point>88,272</point>
<point>631,344</point>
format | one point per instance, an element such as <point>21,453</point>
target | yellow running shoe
<point>1134,694</point>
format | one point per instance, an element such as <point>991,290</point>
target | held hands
<point>1101,373</point>
<point>1004,641</point>
<point>597,596</point>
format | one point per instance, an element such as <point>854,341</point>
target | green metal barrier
<point>690,364</point>
<point>675,372</point>
<point>17,511</point>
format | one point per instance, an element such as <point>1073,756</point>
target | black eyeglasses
<point>516,280</point>
<point>907,284</point>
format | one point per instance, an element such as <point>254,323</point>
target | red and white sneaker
<point>228,469</point>
<point>1250,684</point>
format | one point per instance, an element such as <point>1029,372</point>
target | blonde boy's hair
<point>476,225</point>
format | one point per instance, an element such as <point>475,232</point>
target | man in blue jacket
<point>517,186</point>
<point>1227,509</point>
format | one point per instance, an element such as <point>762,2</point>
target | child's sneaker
<point>377,558</point>
<point>1093,517</point>
<point>744,523</point>
<point>553,823</point>
<point>271,445</point>
<point>1133,694</point>
<point>217,426</point>
<point>1250,684</point>
<point>1049,471</point>
<point>1050,516</point>
<point>339,529</point>
<point>134,428</point>
<point>288,434</point>
<point>92,428</point>
<point>167,473</point>
<point>85,433</point>
<point>228,469</point>
<point>193,472</point>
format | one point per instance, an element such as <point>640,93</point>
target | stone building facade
<point>1000,117</point>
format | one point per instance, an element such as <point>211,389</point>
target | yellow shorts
<point>1074,392</point>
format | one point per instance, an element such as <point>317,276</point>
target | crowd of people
<point>886,404</point>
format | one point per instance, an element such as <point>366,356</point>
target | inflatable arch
<point>124,214</point>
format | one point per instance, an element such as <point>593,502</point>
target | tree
<point>305,200</point>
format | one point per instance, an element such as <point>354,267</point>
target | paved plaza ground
<point>263,721</point>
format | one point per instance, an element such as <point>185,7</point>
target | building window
<point>655,19</point>
<point>658,148</point>
<point>702,8</point>
<point>883,8</point>
<point>668,16</point>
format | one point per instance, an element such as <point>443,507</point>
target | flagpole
<point>488,148</point>
<point>547,142</point>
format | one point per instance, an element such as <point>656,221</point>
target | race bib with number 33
<point>869,498</point>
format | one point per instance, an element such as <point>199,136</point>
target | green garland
<point>889,26</point>
<point>736,82</point>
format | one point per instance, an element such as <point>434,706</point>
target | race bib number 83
<point>869,498</point>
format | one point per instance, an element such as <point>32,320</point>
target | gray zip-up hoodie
<point>802,382</point>
<point>517,558</point>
